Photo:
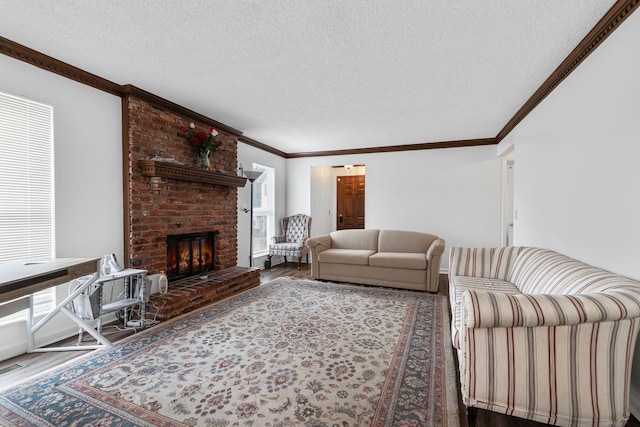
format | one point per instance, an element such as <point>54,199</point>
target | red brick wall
<point>161,206</point>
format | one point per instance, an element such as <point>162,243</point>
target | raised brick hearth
<point>193,292</point>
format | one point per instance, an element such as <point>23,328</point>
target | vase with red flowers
<point>205,143</point>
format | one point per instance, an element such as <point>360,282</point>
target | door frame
<point>322,194</point>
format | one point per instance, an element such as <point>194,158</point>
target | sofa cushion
<point>355,239</point>
<point>411,261</point>
<point>404,241</point>
<point>346,256</point>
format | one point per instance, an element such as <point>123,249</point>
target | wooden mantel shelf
<point>153,168</point>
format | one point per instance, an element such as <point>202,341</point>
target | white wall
<point>247,155</point>
<point>88,177</point>
<point>577,180</point>
<point>453,193</point>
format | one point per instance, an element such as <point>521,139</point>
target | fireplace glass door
<point>189,254</point>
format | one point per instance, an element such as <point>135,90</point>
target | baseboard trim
<point>634,402</point>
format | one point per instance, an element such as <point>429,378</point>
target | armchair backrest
<point>296,227</point>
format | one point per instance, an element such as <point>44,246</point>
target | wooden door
<point>350,202</point>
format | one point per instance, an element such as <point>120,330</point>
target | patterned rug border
<point>125,348</point>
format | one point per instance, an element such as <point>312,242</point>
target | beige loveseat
<point>399,259</point>
<point>543,336</point>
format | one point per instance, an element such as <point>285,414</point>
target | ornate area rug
<point>287,353</point>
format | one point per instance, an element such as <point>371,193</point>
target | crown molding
<point>603,29</point>
<point>257,144</point>
<point>609,22</point>
<point>392,148</point>
<point>40,60</point>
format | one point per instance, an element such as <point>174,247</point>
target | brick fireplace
<point>167,199</point>
<point>161,206</point>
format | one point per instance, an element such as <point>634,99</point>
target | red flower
<point>204,141</point>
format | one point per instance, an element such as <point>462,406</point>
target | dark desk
<point>22,278</point>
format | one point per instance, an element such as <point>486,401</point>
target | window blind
<point>26,186</point>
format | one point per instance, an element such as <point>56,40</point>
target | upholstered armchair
<point>293,240</point>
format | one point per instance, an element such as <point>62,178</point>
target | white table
<point>20,279</point>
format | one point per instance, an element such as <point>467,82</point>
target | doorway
<point>323,195</point>
<point>509,214</point>
<point>350,202</point>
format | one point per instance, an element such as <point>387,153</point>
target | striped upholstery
<point>554,346</point>
<point>480,263</point>
<point>464,283</point>
<point>492,263</point>
<point>542,271</point>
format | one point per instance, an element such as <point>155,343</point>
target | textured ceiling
<point>305,76</point>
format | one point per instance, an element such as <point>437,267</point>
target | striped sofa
<point>542,336</point>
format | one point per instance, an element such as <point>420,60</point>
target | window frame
<point>26,129</point>
<point>267,179</point>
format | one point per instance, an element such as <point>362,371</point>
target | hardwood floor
<point>36,363</point>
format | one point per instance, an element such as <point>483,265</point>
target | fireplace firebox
<point>190,254</point>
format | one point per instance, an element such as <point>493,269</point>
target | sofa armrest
<point>555,349</point>
<point>316,245</point>
<point>485,309</point>
<point>434,257</point>
<point>436,249</point>
<point>319,243</point>
<point>517,353</point>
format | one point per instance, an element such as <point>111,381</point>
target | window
<point>263,210</point>
<point>26,187</point>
